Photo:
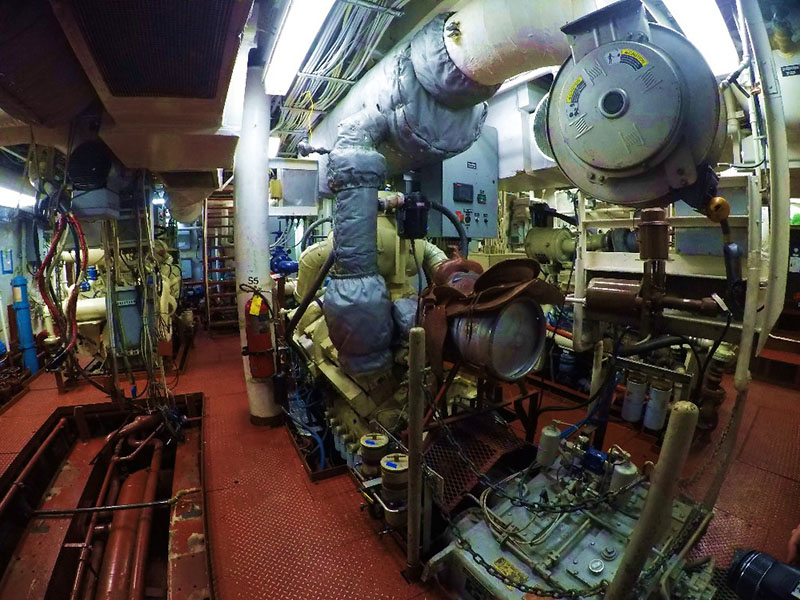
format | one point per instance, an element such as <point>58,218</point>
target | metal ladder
<point>218,262</point>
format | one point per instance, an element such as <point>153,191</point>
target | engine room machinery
<point>405,366</point>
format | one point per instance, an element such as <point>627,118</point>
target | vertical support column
<point>579,334</point>
<point>251,225</point>
<point>416,410</point>
<point>657,509</point>
<point>597,373</point>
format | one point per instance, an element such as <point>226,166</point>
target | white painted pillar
<point>251,228</point>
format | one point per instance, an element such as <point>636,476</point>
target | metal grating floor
<point>483,445</point>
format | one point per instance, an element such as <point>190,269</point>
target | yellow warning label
<point>255,306</point>
<point>572,89</point>
<point>508,569</point>
<point>634,55</point>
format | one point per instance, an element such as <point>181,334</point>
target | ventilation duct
<point>41,82</point>
<point>175,49</point>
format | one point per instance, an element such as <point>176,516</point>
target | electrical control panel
<point>467,185</point>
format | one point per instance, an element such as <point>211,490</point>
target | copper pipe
<point>139,444</point>
<point>145,526</point>
<point>115,574</point>
<point>140,423</point>
<point>19,482</point>
<point>97,547</point>
<point>111,497</point>
<point>87,541</point>
<point>98,551</point>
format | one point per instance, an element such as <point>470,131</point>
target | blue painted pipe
<point>22,308</point>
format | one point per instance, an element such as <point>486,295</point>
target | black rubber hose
<point>310,230</point>
<point>309,297</point>
<point>77,253</point>
<point>650,345</point>
<point>462,233</point>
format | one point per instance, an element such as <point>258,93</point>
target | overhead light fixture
<point>15,199</point>
<point>299,30</point>
<point>274,145</point>
<point>703,25</point>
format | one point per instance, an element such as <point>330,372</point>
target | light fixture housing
<point>703,25</point>
<point>10,198</point>
<point>300,28</point>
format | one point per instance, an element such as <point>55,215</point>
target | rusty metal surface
<point>40,556</point>
<point>41,543</point>
<point>188,570</point>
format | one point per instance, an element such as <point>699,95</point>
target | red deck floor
<point>274,534</point>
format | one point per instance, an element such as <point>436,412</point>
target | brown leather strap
<point>493,298</point>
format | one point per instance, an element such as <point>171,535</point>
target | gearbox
<point>634,115</point>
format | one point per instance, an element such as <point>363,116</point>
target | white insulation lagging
<point>492,40</point>
<point>251,226</point>
<point>419,108</point>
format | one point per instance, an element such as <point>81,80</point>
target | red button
<point>460,215</point>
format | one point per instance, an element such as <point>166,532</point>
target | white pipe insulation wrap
<point>492,40</point>
<point>418,109</point>
<point>95,256</point>
<point>251,228</point>
<point>90,309</point>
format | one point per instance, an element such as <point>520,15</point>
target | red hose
<point>72,304</point>
<point>560,332</point>
<point>57,233</point>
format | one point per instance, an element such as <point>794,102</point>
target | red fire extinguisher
<point>259,338</point>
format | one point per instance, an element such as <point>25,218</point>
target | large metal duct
<point>41,83</point>
<point>419,107</point>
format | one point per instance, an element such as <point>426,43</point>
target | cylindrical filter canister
<point>374,447</point>
<point>394,473</point>
<point>623,474</point>
<point>338,438</point>
<point>548,445</point>
<point>657,407</point>
<point>633,403</point>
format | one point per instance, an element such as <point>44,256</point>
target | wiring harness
<point>342,51</point>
